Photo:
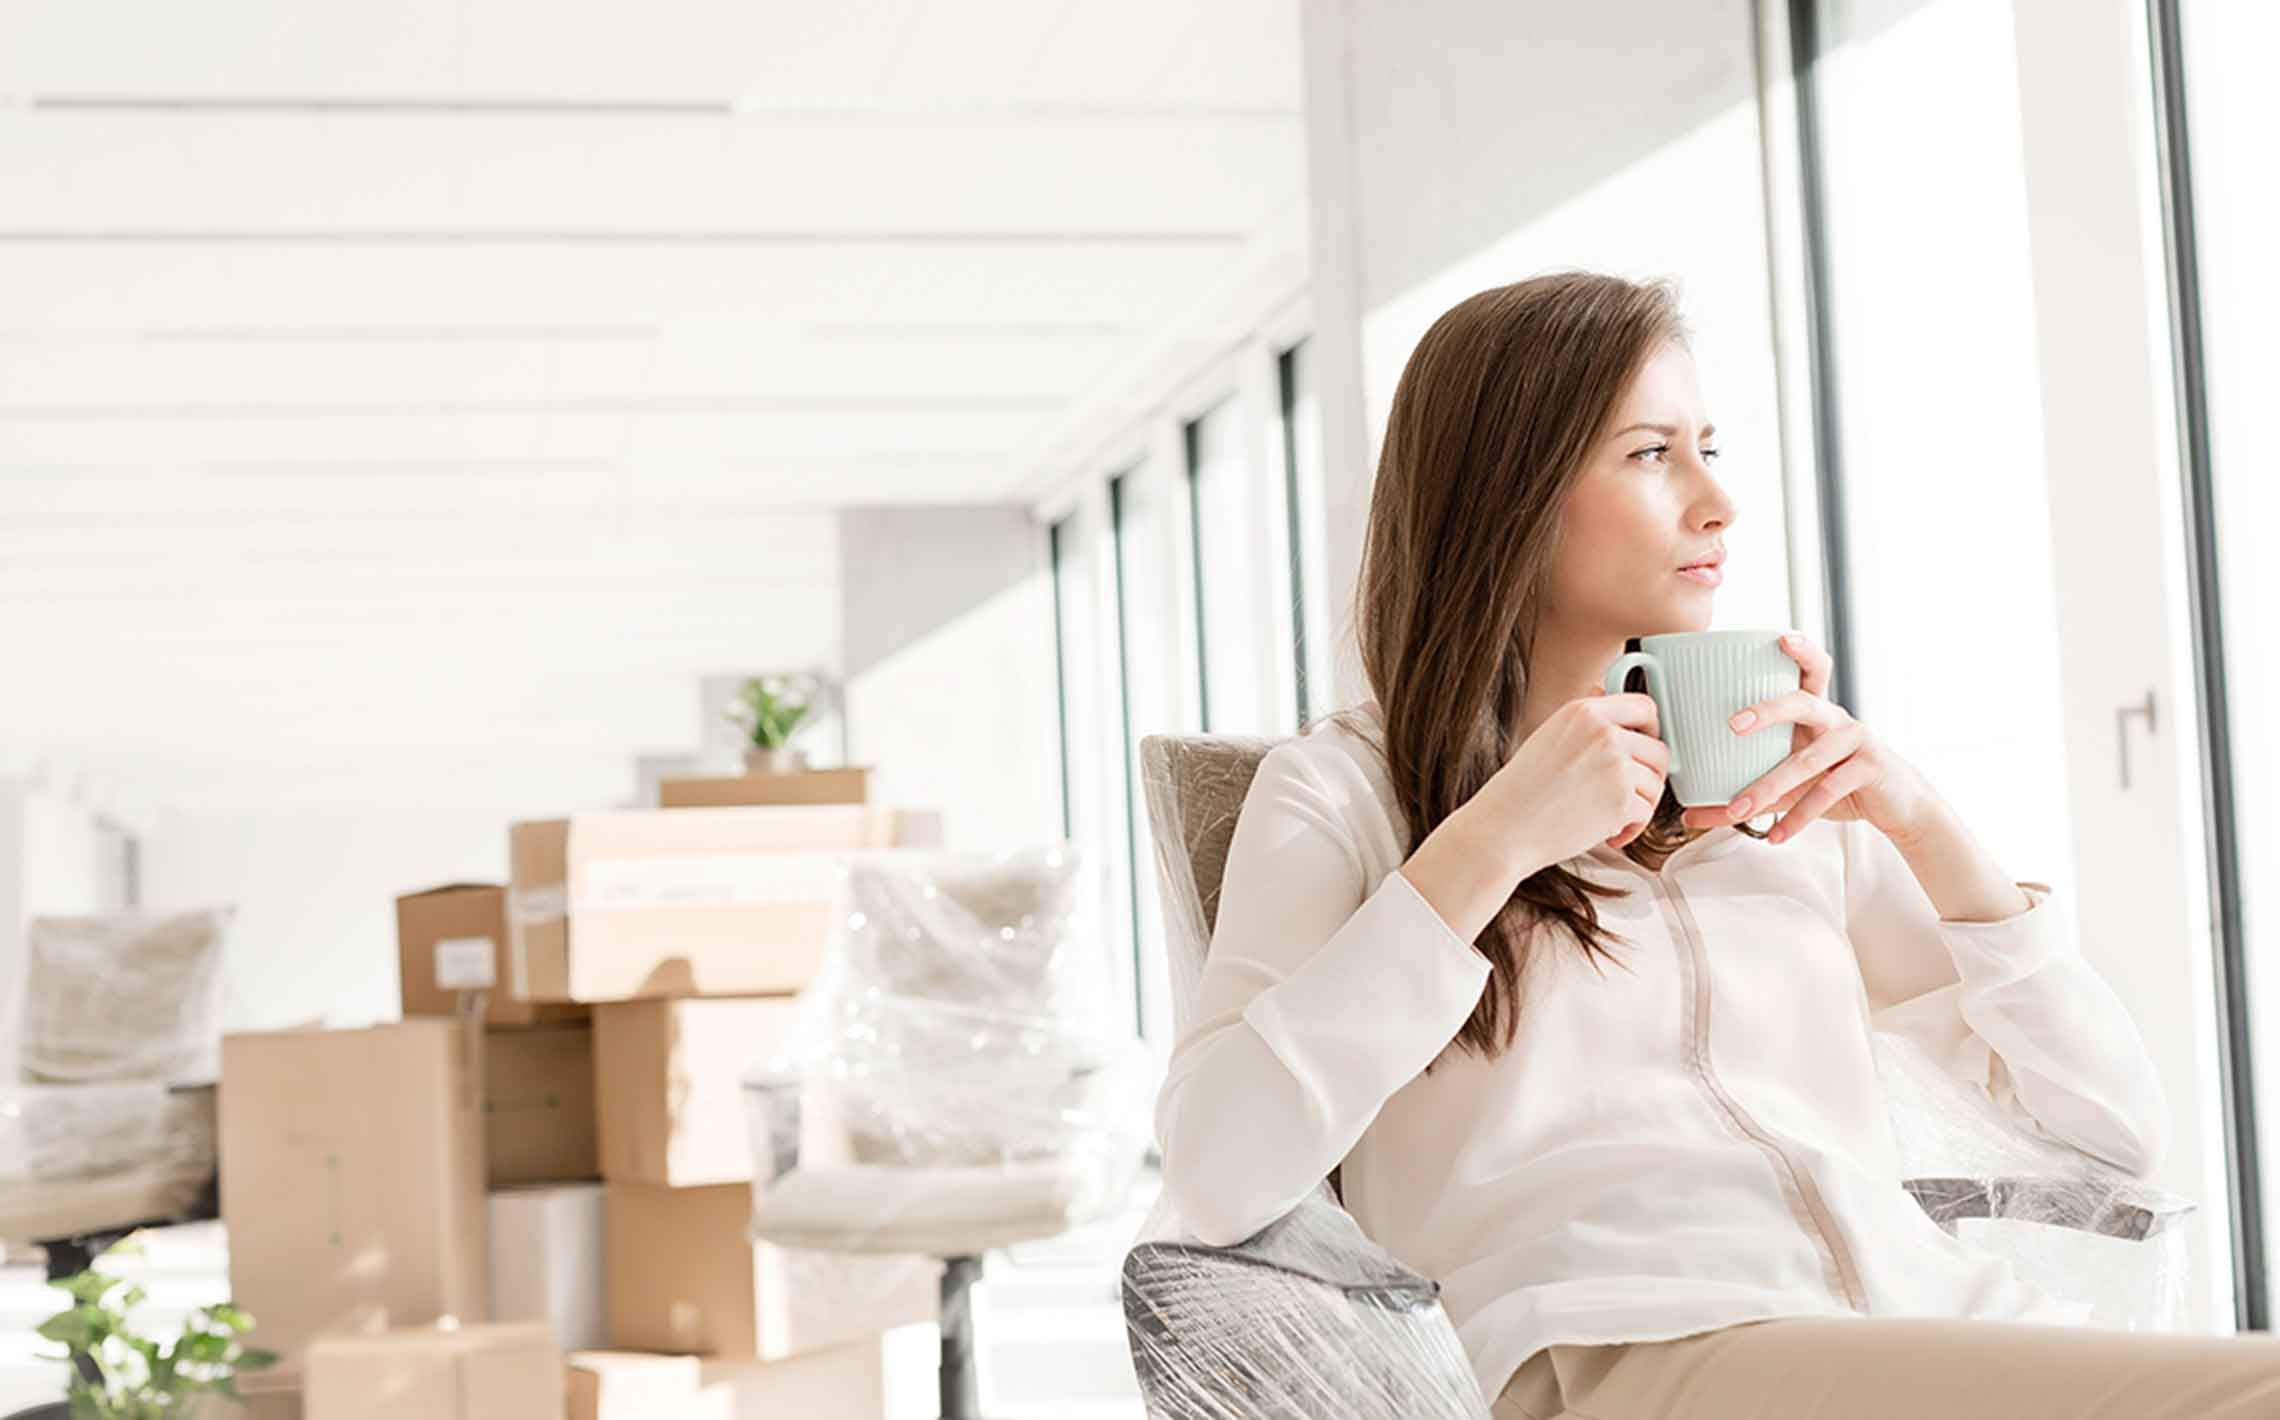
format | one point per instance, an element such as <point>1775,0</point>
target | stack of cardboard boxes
<point>544,1166</point>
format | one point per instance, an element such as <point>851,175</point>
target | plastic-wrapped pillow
<point>954,1082</point>
<point>120,996</point>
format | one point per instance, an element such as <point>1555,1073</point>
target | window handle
<point>2122,714</point>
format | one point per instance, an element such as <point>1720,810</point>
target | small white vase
<point>775,761</point>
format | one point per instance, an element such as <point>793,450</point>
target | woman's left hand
<point>1835,769</point>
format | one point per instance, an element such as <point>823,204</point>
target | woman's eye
<point>1665,448</point>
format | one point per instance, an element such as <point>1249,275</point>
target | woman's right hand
<point>1591,773</point>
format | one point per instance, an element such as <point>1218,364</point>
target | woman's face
<point>1646,505</point>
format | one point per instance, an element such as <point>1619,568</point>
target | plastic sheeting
<point>1309,1318</point>
<point>78,1159</point>
<point>66,1133</point>
<point>119,996</point>
<point>953,1082</point>
<point>1306,1319</point>
<point>2075,1225</point>
<point>107,1116</point>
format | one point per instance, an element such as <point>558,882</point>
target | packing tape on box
<point>537,906</point>
<point>707,880</point>
<point>529,907</point>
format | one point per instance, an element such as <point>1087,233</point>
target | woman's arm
<point>1984,972</point>
<point>1323,994</point>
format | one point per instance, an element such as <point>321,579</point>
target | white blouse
<point>1695,1139</point>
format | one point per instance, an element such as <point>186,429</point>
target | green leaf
<point>204,1346</point>
<point>86,1288</point>
<point>255,1359</point>
<point>81,1328</point>
<point>230,1315</point>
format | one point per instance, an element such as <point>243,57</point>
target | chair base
<point>957,1377</point>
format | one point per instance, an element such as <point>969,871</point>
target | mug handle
<point>1613,684</point>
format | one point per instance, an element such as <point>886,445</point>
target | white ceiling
<point>275,261</point>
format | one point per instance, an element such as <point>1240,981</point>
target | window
<point>1236,520</point>
<point>1935,461</point>
<point>1149,704</point>
<point>2221,206</point>
<point>1300,425</point>
<point>1072,620</point>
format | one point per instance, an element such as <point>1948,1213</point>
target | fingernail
<point>1743,719</point>
<point>1741,808</point>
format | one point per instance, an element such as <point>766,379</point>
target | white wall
<point>1467,144</point>
<point>950,671</point>
<point>333,709</point>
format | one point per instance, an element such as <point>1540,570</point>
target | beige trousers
<point>1904,1368</point>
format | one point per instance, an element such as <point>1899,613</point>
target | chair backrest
<point>1195,786</point>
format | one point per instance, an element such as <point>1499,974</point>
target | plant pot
<point>775,761</point>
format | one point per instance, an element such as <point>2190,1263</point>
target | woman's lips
<point>1708,574</point>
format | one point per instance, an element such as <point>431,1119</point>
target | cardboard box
<point>841,1382</point>
<point>682,902</point>
<point>848,785</point>
<point>352,1179</point>
<point>547,1247</point>
<point>669,1078</point>
<point>538,1105</point>
<point>507,1371</point>
<point>684,1278</point>
<point>454,938</point>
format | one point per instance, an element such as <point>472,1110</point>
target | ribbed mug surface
<point>1698,679</point>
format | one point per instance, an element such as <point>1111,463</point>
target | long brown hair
<point>1493,421</point>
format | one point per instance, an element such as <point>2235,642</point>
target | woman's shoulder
<point>1338,758</point>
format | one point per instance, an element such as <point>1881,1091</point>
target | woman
<point>1601,1066</point>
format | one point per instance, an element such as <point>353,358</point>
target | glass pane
<point>1245,644</point>
<point>1940,413</point>
<point>2233,113</point>
<point>1147,645</point>
<point>1302,499</point>
<point>1072,629</point>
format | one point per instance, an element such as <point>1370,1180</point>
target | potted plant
<point>768,709</point>
<point>118,1375</point>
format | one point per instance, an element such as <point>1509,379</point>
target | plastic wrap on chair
<point>1305,1318</point>
<point>121,996</point>
<point>2083,1229</point>
<point>953,1082</point>
<point>76,1159</point>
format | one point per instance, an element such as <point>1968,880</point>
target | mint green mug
<point>1698,679</point>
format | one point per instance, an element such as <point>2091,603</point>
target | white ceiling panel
<point>267,262</point>
<point>848,52</point>
<point>65,285</point>
<point>218,365</point>
<point>195,172</point>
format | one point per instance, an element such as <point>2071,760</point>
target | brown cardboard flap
<point>352,1179</point>
<point>669,1077</point>
<point>684,1278</point>
<point>844,785</point>
<point>845,1382</point>
<point>538,1105</point>
<point>683,902</point>
<point>463,914</point>
<point>504,1371</point>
